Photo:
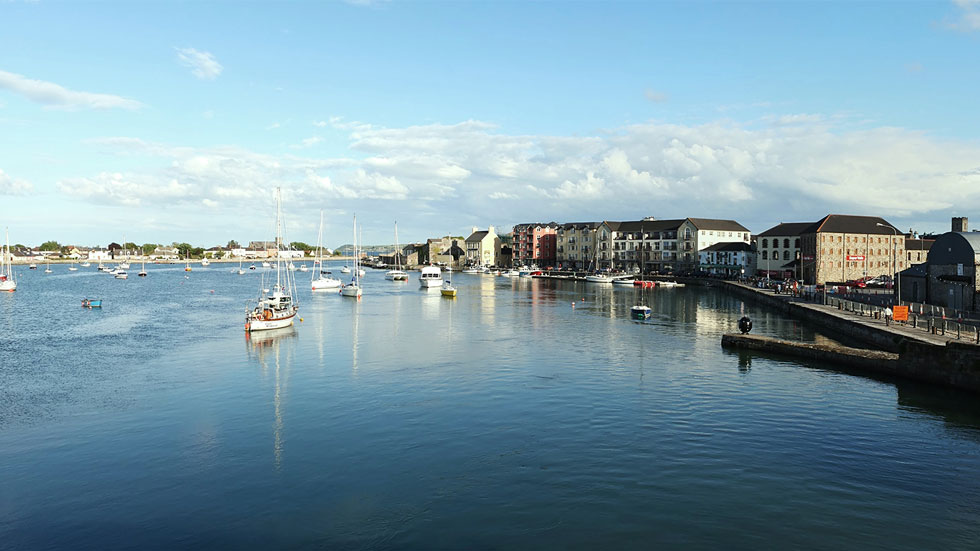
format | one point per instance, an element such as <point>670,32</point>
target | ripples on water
<point>506,418</point>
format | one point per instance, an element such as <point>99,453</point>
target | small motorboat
<point>624,281</point>
<point>252,267</point>
<point>120,274</point>
<point>304,268</point>
<point>91,303</point>
<point>640,312</point>
<point>33,266</point>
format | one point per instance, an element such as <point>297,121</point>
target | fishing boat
<point>431,276</point>
<point>397,274</point>
<point>321,278</point>
<point>276,307</point>
<point>7,282</point>
<point>353,289</point>
<point>91,303</point>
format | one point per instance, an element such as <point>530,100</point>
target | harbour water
<point>504,418</point>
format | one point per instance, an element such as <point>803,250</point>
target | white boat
<point>321,278</point>
<point>471,270</point>
<point>252,267</point>
<point>204,262</point>
<point>397,274</point>
<point>85,264</point>
<point>72,268</point>
<point>241,271</point>
<point>431,276</point>
<point>624,281</point>
<point>277,306</point>
<point>345,270</point>
<point>267,265</point>
<point>598,278</point>
<point>304,268</point>
<point>7,282</point>
<point>511,273</point>
<point>669,284</point>
<point>123,265</point>
<point>120,274</point>
<point>291,267</point>
<point>47,268</point>
<point>32,266</point>
<point>353,289</point>
<point>640,312</point>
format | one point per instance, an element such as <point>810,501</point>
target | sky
<point>174,121</point>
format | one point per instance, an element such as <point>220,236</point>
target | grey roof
<point>649,225</point>
<point>734,246</point>
<point>476,236</point>
<point>580,225</point>
<point>847,223</point>
<point>955,248</point>
<point>786,228</point>
<point>918,244</point>
<point>713,224</point>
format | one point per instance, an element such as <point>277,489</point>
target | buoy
<point>573,304</point>
<point>300,319</point>
<point>212,291</point>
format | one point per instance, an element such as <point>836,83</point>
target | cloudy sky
<point>165,121</point>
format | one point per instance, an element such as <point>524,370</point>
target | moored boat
<point>640,312</point>
<point>91,303</point>
<point>431,276</point>
<point>321,278</point>
<point>276,307</point>
<point>353,289</point>
<point>7,282</point>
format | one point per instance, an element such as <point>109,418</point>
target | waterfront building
<point>482,247</point>
<point>949,276</point>
<point>697,234</point>
<point>917,250</point>
<point>731,259</point>
<point>664,246</point>
<point>535,243</point>
<point>840,248</point>
<point>779,250</point>
<point>575,244</point>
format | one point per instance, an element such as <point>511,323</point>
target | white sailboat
<point>72,267</point>
<point>397,274</point>
<point>241,271</point>
<point>353,289</point>
<point>47,268</point>
<point>7,281</point>
<point>321,278</point>
<point>276,307</point>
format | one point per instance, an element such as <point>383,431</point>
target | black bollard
<point>745,325</point>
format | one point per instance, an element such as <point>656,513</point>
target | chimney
<point>475,229</point>
<point>960,223</point>
<point>491,230</point>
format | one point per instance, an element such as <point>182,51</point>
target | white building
<point>732,259</point>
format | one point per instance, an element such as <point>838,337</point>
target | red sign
<point>857,257</point>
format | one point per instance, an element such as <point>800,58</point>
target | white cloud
<point>203,65</point>
<point>14,186</point>
<point>655,96</point>
<point>320,124</point>
<point>796,167</point>
<point>968,17</point>
<point>59,97</point>
<point>308,142</point>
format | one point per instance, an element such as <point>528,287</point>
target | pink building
<point>535,243</point>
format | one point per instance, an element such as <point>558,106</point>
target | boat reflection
<point>276,347</point>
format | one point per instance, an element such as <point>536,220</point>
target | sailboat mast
<point>278,238</point>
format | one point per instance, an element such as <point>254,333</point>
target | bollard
<point>957,330</point>
<point>944,326</point>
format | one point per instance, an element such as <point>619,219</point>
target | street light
<point>898,274</point>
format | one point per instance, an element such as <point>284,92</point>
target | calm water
<point>503,419</point>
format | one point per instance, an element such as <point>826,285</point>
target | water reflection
<point>267,347</point>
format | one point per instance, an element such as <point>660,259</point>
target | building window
<point>786,255</point>
<point>775,243</point>
<point>785,243</point>
<point>765,243</point>
<point>797,243</point>
<point>765,255</point>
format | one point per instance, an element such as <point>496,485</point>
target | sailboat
<point>187,262</point>
<point>397,274</point>
<point>72,268</point>
<point>142,272</point>
<point>277,307</point>
<point>7,282</point>
<point>321,278</point>
<point>447,287</point>
<point>240,270</point>
<point>353,289</point>
<point>47,268</point>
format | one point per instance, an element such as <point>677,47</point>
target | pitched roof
<point>786,228</point>
<point>477,236</point>
<point>918,244</point>
<point>732,246</point>
<point>713,224</point>
<point>847,223</point>
<point>649,225</point>
<point>580,225</point>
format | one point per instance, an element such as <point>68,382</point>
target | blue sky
<point>167,121</point>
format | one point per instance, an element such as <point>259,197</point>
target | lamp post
<point>898,274</point>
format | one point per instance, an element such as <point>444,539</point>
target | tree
<point>50,246</point>
<point>148,248</point>
<point>233,245</point>
<point>300,246</point>
<point>183,248</point>
<point>197,251</point>
<point>130,246</point>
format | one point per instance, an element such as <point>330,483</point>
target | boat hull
<point>598,279</point>
<point>396,275</point>
<point>351,291</point>
<point>429,283</point>
<point>640,312</point>
<point>8,286</point>
<point>449,292</point>
<point>252,325</point>
<point>326,283</point>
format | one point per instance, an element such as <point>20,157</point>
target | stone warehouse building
<point>778,250</point>
<point>839,248</point>
<point>949,277</point>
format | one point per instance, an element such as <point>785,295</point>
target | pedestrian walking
<point>888,315</point>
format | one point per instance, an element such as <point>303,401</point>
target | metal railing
<point>926,317</point>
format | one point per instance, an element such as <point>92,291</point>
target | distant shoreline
<point>41,261</point>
